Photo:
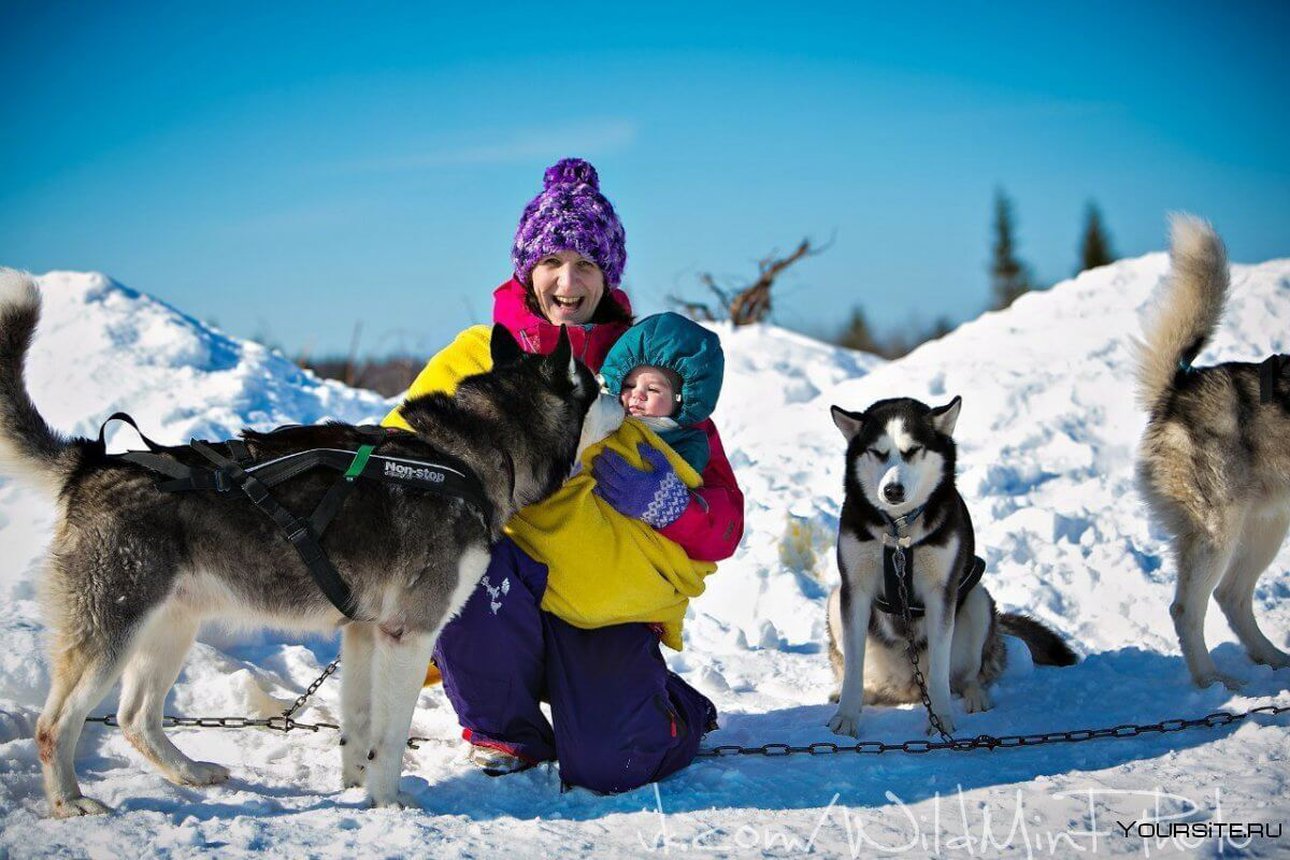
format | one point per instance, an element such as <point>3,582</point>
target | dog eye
<point>881,455</point>
<point>909,455</point>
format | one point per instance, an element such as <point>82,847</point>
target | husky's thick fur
<point>1214,461</point>
<point>900,460</point>
<point>133,570</point>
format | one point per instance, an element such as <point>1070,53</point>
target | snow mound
<point>102,347</point>
<point>1046,438</point>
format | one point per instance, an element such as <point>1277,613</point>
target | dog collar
<point>899,535</point>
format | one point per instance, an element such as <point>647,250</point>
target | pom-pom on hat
<point>570,215</point>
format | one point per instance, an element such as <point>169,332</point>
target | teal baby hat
<point>681,345</point>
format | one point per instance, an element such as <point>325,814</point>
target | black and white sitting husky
<point>901,498</point>
<point>134,570</point>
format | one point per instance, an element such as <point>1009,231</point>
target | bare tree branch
<point>693,310</point>
<point>752,303</point>
<point>708,281</point>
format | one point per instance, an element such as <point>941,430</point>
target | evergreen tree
<point>1095,247</point>
<point>941,326</point>
<point>1009,277</point>
<point>856,334</point>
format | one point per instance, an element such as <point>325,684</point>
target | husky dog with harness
<point>906,552</point>
<point>383,534</point>
<point>1214,460</point>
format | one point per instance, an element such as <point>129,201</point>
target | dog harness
<point>1270,369</point>
<point>234,469</point>
<point>897,540</point>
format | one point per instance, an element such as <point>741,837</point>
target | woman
<point>621,719</point>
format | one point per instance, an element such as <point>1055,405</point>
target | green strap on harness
<point>360,461</point>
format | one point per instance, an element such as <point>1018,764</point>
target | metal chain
<point>898,561</point>
<point>312,688</point>
<point>990,742</point>
<point>282,723</point>
<point>285,723</point>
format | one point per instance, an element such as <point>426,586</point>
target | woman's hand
<point>657,497</point>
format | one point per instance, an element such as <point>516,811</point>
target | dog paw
<point>1228,681</point>
<point>202,773</point>
<point>353,774</point>
<point>75,806</point>
<point>1276,659</point>
<point>399,800</point>
<point>976,700</point>
<point>845,724</point>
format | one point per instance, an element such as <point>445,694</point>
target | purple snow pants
<point>621,718</point>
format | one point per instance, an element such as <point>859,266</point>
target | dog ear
<point>848,422</point>
<point>503,347</point>
<point>560,363</point>
<point>945,417</point>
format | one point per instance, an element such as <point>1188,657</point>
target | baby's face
<point>646,392</point>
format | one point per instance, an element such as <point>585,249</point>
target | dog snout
<point>894,493</point>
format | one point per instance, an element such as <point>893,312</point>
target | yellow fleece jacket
<point>604,568</point>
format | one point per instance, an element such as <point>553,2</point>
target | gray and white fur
<point>1214,460</point>
<point>133,571</point>
<point>900,458</point>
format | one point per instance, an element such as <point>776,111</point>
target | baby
<point>667,372</point>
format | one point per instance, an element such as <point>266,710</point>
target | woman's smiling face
<point>568,287</point>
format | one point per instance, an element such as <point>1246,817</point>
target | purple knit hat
<point>570,215</point>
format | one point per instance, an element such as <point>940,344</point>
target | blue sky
<point>287,171</point>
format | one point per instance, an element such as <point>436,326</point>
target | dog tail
<point>29,447</point>
<point>1189,310</point>
<point>1047,648</point>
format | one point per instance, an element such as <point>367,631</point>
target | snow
<point>1046,441</point>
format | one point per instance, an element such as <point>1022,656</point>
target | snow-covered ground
<point>1046,437</point>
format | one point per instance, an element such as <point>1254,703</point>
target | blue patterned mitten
<point>657,497</point>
